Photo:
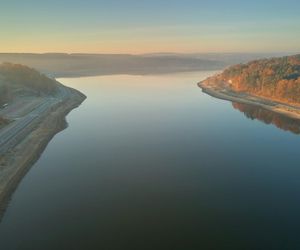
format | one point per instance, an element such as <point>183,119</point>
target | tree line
<point>276,78</point>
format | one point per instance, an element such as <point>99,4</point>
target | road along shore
<point>16,162</point>
<point>271,105</point>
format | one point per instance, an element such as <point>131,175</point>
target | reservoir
<point>151,162</point>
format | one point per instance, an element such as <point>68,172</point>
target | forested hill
<point>276,78</point>
<point>75,65</point>
<point>16,79</point>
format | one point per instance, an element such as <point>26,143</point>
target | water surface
<point>151,162</point>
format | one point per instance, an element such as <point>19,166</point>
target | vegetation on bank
<point>276,78</point>
<point>16,79</point>
<point>3,122</point>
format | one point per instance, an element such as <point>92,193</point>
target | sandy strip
<point>18,161</point>
<point>278,107</point>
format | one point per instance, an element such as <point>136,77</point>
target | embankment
<point>18,161</point>
<point>225,94</point>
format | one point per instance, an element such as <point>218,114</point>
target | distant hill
<point>72,65</point>
<point>276,78</point>
<point>16,79</point>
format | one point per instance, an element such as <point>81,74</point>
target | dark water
<point>150,162</point>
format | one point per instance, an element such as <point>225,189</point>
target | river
<point>151,162</point>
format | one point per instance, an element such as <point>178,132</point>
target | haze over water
<point>151,162</point>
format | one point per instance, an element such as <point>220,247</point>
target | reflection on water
<point>152,163</point>
<point>280,121</point>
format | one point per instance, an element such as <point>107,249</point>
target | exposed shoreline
<point>20,159</point>
<point>226,94</point>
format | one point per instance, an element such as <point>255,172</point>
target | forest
<point>16,78</point>
<point>276,78</point>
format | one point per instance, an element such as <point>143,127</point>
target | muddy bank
<point>271,105</point>
<point>16,162</point>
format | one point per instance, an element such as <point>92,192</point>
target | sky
<point>149,26</point>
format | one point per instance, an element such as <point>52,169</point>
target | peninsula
<point>273,84</point>
<point>33,108</point>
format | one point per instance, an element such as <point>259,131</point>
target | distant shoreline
<point>22,157</point>
<point>62,65</point>
<point>271,105</point>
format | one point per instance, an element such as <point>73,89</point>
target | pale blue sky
<point>132,26</point>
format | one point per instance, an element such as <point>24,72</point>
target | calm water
<point>150,162</point>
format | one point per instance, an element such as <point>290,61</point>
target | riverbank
<point>16,162</point>
<point>221,92</point>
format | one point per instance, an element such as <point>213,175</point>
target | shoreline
<point>22,157</point>
<point>271,105</point>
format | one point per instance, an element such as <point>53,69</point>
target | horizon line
<point>151,53</point>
